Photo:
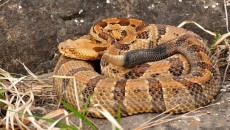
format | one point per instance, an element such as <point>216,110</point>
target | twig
<point>31,73</point>
<point>4,3</point>
<point>198,25</point>
<point>228,63</point>
<point>226,15</point>
<point>223,37</point>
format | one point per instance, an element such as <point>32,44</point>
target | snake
<point>143,68</point>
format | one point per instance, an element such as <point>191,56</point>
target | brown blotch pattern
<point>197,74</point>
<point>103,36</point>
<point>123,33</point>
<point>216,73</point>
<point>210,82</point>
<point>195,90</point>
<point>151,44</point>
<point>75,70</point>
<point>143,35</point>
<point>175,34</point>
<point>176,67</point>
<point>179,42</point>
<point>119,96</point>
<point>65,81</point>
<point>122,46</point>
<point>194,48</point>
<point>124,22</point>
<point>161,31</point>
<point>155,90</point>
<point>98,42</point>
<point>137,71</point>
<point>155,75</point>
<point>114,71</point>
<point>194,57</point>
<point>133,25</point>
<point>109,30</point>
<point>119,90</point>
<point>182,39</point>
<point>204,65</point>
<point>102,24</point>
<point>94,31</point>
<point>89,89</point>
<point>140,27</point>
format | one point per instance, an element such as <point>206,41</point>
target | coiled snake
<point>144,68</point>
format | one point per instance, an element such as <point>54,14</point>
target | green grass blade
<point>215,38</point>
<point>2,96</point>
<point>118,115</point>
<point>86,105</point>
<point>79,115</point>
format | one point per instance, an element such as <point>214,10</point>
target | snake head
<point>83,49</point>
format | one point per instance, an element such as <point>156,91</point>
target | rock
<point>31,30</point>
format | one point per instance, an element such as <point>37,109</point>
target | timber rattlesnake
<point>181,78</point>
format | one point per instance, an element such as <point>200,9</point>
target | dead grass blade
<point>30,72</point>
<point>107,115</point>
<point>4,3</point>
<point>228,64</point>
<point>226,15</point>
<point>198,25</point>
<point>221,39</point>
<point>17,107</point>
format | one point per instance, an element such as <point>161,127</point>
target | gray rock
<point>30,29</point>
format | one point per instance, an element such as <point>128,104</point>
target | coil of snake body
<point>144,68</point>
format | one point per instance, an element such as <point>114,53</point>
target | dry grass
<point>4,3</point>
<point>19,105</point>
<point>16,111</point>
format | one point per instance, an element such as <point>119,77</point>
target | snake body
<point>144,68</point>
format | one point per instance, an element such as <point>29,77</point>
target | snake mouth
<point>81,54</point>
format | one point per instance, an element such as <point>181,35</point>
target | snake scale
<point>144,68</point>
